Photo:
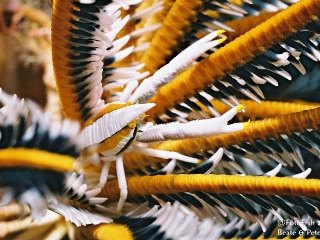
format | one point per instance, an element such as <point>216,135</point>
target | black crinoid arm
<point>37,163</point>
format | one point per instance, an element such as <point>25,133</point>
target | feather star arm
<point>233,54</point>
<point>216,184</point>
<point>35,148</point>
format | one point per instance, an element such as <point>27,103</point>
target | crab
<point>120,126</point>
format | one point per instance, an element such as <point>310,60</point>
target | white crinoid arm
<point>121,3</point>
<point>87,1</point>
<point>197,128</point>
<point>77,190</point>
<point>183,60</point>
<point>145,13</point>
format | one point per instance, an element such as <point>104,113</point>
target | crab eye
<point>132,124</point>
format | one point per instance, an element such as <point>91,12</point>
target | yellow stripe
<point>111,231</point>
<point>112,143</point>
<point>234,54</point>
<point>234,184</point>
<point>34,158</point>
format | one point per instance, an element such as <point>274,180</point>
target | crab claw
<point>196,128</point>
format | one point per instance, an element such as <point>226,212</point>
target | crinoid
<point>37,163</point>
<point>81,56</point>
<point>196,120</point>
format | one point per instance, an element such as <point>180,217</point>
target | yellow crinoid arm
<point>171,31</point>
<point>111,231</point>
<point>233,184</point>
<point>34,158</point>
<point>234,54</point>
<point>61,23</point>
<point>156,18</point>
<point>265,109</point>
<point>175,23</point>
<point>244,24</point>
